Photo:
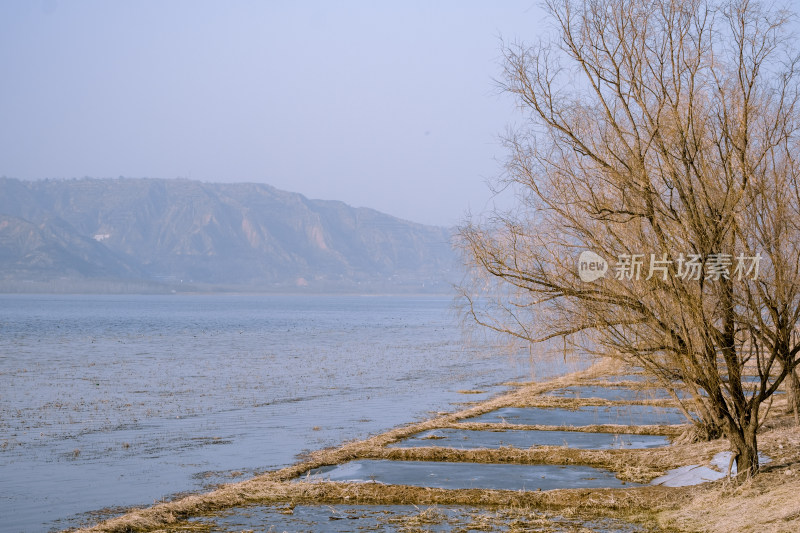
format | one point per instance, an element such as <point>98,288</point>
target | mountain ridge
<point>209,236</point>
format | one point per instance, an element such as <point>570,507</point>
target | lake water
<point>117,401</point>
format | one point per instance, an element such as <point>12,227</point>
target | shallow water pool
<point>398,519</point>
<point>445,475</point>
<point>624,394</point>
<point>469,439</point>
<point>628,415</point>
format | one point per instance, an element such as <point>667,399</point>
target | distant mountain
<point>51,246</point>
<point>202,236</point>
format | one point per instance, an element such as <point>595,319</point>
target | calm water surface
<point>116,401</point>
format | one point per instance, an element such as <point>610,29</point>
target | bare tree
<point>661,136</point>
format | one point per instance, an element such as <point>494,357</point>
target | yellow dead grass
<point>770,502</point>
<point>606,502</point>
<point>671,431</point>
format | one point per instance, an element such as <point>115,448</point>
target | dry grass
<point>431,515</point>
<point>670,431</point>
<point>767,503</point>
<point>575,403</point>
<point>606,502</point>
<point>512,519</point>
<point>639,466</point>
<point>770,501</point>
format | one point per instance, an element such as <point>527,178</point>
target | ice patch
<point>688,475</point>
<point>696,474</point>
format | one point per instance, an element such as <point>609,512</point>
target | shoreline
<point>651,506</point>
<point>112,403</point>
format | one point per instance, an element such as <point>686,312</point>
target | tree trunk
<point>745,450</point>
<point>793,395</point>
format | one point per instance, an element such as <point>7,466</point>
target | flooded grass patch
<point>613,393</point>
<point>468,439</point>
<point>583,416</point>
<point>399,519</point>
<point>275,486</point>
<point>451,475</point>
<point>662,430</point>
<point>649,505</point>
<point>636,502</point>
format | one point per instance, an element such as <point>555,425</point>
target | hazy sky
<point>389,105</point>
